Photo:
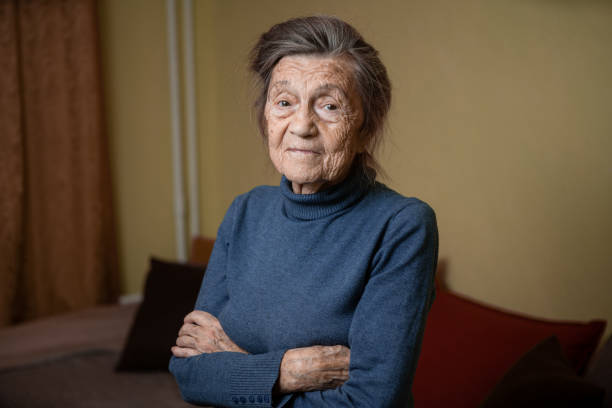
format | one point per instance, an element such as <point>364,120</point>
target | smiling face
<point>313,115</point>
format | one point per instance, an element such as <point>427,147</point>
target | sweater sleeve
<point>225,378</point>
<point>388,324</point>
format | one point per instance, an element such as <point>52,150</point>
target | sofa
<point>473,354</point>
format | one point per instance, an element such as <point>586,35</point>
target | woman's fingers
<point>189,329</point>
<point>183,352</point>
<point>185,330</point>
<point>186,342</point>
<point>203,333</point>
<point>199,341</point>
<point>201,318</point>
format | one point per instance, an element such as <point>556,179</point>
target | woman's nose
<point>302,123</point>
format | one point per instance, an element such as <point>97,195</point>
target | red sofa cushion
<point>468,347</point>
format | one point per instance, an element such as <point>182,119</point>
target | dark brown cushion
<point>544,378</point>
<point>601,371</point>
<point>170,293</point>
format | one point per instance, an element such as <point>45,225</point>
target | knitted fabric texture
<point>351,265</point>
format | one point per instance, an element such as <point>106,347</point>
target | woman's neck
<point>317,186</point>
<point>308,188</point>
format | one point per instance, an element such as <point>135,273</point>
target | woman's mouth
<point>302,151</point>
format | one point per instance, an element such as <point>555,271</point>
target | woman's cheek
<point>342,133</point>
<point>275,132</point>
<point>275,128</point>
<point>271,126</point>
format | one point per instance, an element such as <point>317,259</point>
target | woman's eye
<point>330,107</point>
<point>283,104</point>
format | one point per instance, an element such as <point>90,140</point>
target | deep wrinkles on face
<point>308,83</point>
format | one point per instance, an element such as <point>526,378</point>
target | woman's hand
<point>302,369</point>
<point>313,368</point>
<point>202,333</point>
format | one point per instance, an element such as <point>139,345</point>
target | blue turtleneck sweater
<point>351,265</point>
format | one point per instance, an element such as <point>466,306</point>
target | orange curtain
<point>57,241</point>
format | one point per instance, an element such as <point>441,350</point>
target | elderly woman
<point>317,291</point>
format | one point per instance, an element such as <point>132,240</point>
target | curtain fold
<point>63,251</point>
<point>11,162</point>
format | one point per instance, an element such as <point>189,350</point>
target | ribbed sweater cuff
<point>252,379</point>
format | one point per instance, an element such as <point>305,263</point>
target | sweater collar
<point>326,202</point>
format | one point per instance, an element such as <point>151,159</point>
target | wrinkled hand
<point>313,368</point>
<point>202,333</point>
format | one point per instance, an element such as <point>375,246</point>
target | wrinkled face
<point>313,114</point>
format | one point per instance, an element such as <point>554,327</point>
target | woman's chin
<point>302,176</point>
<point>303,179</point>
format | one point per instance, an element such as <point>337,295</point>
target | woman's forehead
<point>298,70</point>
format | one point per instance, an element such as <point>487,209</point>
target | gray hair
<point>328,36</point>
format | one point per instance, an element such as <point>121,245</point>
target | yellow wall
<point>135,75</point>
<point>501,121</point>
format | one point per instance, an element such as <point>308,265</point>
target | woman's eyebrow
<point>321,89</point>
<point>279,84</point>
<point>330,87</point>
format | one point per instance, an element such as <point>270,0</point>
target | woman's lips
<point>302,151</point>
